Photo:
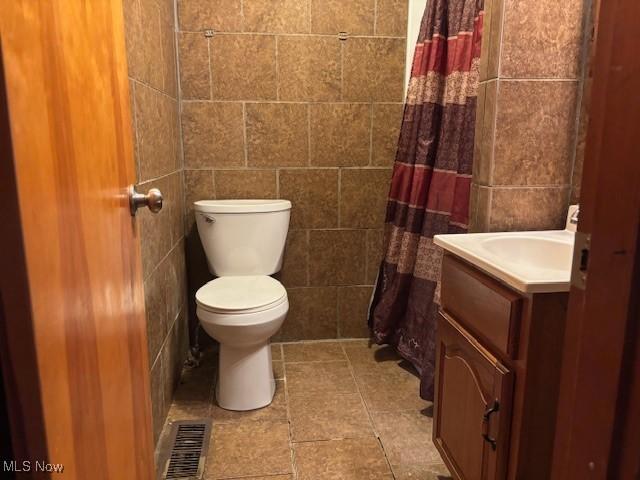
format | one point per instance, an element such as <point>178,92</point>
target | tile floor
<point>342,411</point>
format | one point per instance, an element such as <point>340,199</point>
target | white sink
<point>531,262</point>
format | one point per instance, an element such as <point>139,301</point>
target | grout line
<point>309,135</point>
<point>375,17</point>
<point>295,102</point>
<point>288,409</point>
<point>244,134</point>
<point>287,34</point>
<point>277,182</point>
<point>339,197</point>
<point>277,68</point>
<point>342,71</point>
<point>371,135</point>
<point>210,69</point>
<point>308,258</point>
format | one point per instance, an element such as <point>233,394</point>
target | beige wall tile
<point>312,315</point>
<point>133,36</point>
<point>219,15</point>
<point>248,449</point>
<point>309,68</point>
<point>355,17</point>
<point>243,67</point>
<point>391,17</point>
<point>295,265</point>
<point>374,255</point>
<point>245,184</point>
<point>150,66</point>
<point>277,134</point>
<point>482,210</point>
<point>491,44</point>
<point>355,459</point>
<point>155,231</point>
<point>353,305</point>
<point>276,16</point>
<point>325,417</point>
<point>198,185</point>
<point>169,66</point>
<point>156,132</point>
<point>387,120</point>
<point>158,404</point>
<point>340,134</point>
<point>336,257</point>
<point>485,132</point>
<point>514,209</point>
<point>535,130</point>
<point>195,81</point>
<point>542,39</point>
<point>373,69</point>
<point>156,311</point>
<point>363,197</point>
<point>212,134</point>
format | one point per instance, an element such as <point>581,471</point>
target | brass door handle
<point>152,200</point>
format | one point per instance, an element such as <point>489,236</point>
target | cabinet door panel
<point>469,381</point>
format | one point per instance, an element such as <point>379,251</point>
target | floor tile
<point>327,417</point>
<point>278,369</point>
<point>313,352</point>
<point>276,351</point>
<point>275,412</point>
<point>360,353</point>
<point>406,438</point>
<point>352,459</point>
<point>325,377</point>
<point>269,477</point>
<point>413,472</point>
<point>248,449</point>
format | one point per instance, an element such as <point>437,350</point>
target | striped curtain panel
<point>431,181</point>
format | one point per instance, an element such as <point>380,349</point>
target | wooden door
<point>473,405</point>
<point>73,334</point>
<point>598,423</point>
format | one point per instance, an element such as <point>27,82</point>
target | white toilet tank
<point>243,237</point>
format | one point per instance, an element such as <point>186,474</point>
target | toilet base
<point>245,377</point>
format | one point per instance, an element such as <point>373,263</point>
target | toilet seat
<point>241,295</point>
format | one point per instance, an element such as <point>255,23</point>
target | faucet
<point>574,216</point>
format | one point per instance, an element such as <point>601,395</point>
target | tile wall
<point>275,105</point>
<point>150,41</point>
<point>528,113</point>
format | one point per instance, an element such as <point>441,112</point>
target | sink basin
<point>531,262</point>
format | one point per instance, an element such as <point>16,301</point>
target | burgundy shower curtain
<point>431,181</point>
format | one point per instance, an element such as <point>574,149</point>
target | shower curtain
<point>431,181</point>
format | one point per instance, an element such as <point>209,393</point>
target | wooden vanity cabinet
<point>497,373</point>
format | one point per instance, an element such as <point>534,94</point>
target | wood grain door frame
<point>598,423</point>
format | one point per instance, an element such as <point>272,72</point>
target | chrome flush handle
<point>152,200</point>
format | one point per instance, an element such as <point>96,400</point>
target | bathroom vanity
<point>499,346</point>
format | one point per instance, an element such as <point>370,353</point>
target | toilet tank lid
<point>241,206</point>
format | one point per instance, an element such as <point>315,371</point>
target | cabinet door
<point>472,405</point>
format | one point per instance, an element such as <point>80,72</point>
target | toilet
<point>244,307</point>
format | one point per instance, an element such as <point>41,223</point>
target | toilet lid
<point>241,293</point>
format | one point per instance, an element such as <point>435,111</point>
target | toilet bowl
<point>244,307</point>
<point>242,313</point>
